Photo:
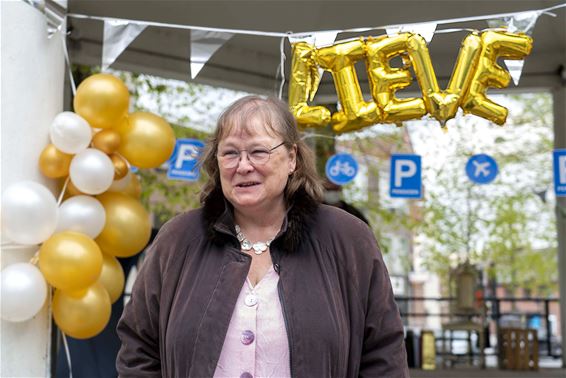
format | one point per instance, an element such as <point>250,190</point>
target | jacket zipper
<point>285,319</point>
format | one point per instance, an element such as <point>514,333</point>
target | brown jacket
<point>341,317</point>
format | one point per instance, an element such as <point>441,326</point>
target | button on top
<point>250,300</point>
<point>246,375</point>
<point>247,337</point>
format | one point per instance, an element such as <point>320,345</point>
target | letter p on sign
<point>406,180</point>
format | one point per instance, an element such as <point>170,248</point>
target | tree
<point>505,222</point>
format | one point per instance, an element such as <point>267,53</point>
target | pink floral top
<point>256,344</point>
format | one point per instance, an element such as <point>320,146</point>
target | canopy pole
<point>559,101</point>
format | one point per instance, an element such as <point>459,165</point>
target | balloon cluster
<point>101,218</point>
<point>475,71</point>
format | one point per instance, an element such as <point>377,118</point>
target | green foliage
<point>390,222</point>
<point>503,226</point>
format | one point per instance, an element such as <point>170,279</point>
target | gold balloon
<point>70,260</point>
<point>305,79</point>
<point>385,80</point>
<point>82,314</point>
<point>443,105</point>
<point>147,140</point>
<point>490,74</point>
<point>121,168</point>
<point>127,229</point>
<point>54,163</point>
<point>112,277</point>
<point>106,141</point>
<point>102,100</point>
<point>339,59</point>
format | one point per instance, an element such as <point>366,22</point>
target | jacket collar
<point>219,219</point>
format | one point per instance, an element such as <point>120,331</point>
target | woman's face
<point>248,185</point>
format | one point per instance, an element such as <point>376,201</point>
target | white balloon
<point>82,214</point>
<point>70,132</point>
<point>23,292</point>
<point>91,171</point>
<point>121,184</point>
<point>29,212</point>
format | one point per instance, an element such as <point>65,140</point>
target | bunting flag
<point>203,45</point>
<point>325,38</point>
<point>523,22</point>
<point>425,29</point>
<point>118,35</point>
<point>54,14</point>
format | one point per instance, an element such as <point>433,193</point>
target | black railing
<point>494,315</point>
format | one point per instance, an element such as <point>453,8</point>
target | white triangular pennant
<point>515,68</point>
<point>203,45</point>
<point>325,38</point>
<point>425,30</point>
<point>118,35</point>
<point>523,22</point>
<point>308,38</point>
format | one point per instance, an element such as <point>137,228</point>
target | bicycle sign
<point>341,168</point>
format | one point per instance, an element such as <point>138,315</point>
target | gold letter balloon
<point>147,140</point>
<point>475,70</point>
<point>102,100</point>
<point>127,229</point>
<point>82,314</point>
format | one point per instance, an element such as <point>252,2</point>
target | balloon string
<point>69,70</point>
<point>35,259</point>
<point>67,354</point>
<point>282,67</point>
<point>14,245</point>
<point>315,135</point>
<point>60,198</point>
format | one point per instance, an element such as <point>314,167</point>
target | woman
<point>262,280</point>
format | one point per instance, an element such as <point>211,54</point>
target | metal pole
<point>546,316</point>
<point>559,101</point>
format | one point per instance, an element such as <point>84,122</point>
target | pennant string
<point>281,35</point>
<point>179,26</point>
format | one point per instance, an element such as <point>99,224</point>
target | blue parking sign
<point>183,164</point>
<point>405,176</point>
<point>341,168</point>
<point>559,160</point>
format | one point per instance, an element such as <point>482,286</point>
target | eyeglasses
<point>230,158</point>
